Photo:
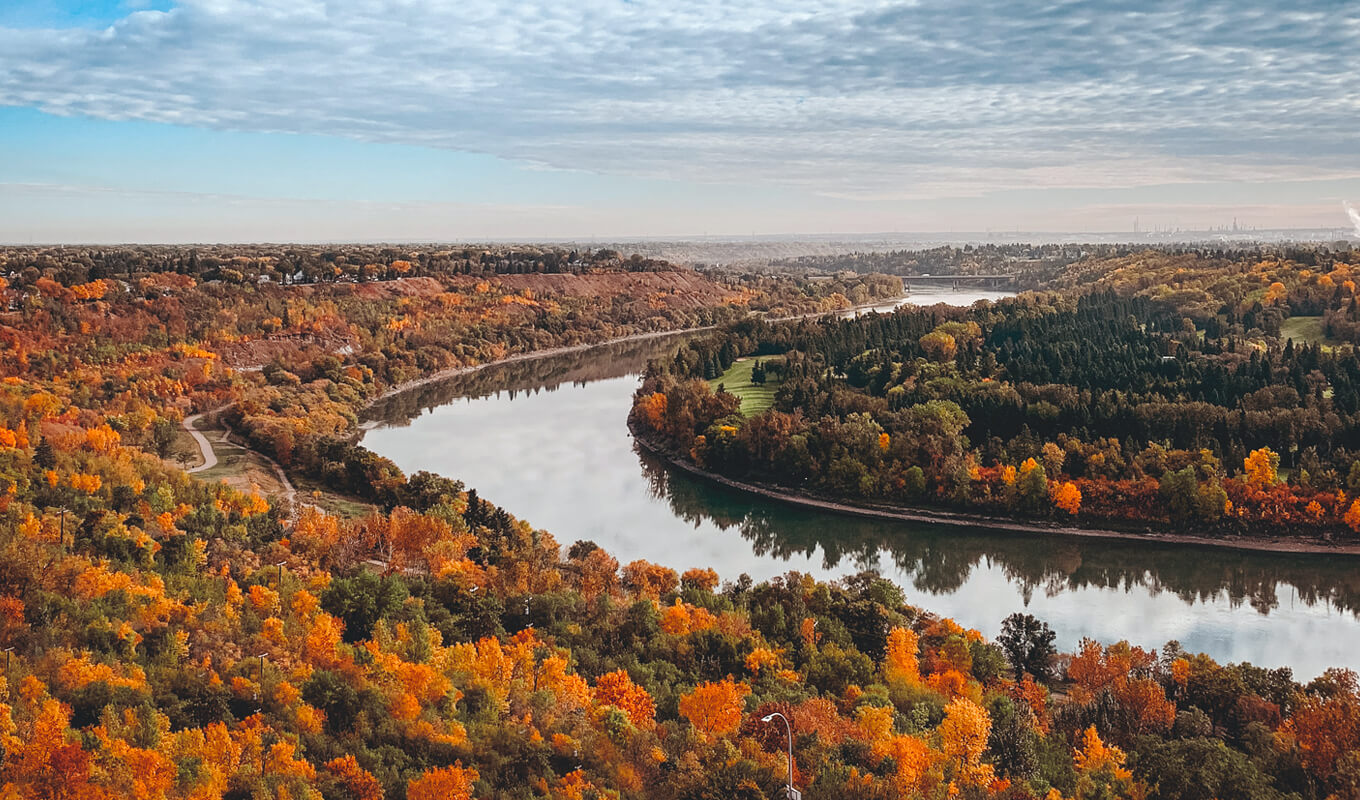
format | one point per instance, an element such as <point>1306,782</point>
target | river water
<point>547,439</point>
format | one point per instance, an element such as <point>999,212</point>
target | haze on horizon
<point>320,120</point>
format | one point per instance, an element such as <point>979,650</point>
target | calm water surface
<point>547,439</point>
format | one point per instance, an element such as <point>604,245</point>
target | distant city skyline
<point>430,120</point>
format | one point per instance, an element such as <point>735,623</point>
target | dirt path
<point>289,493</point>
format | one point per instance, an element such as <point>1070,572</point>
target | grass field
<point>737,380</point>
<point>240,468</point>
<point>245,470</point>
<point>337,505</point>
<point>1305,329</point>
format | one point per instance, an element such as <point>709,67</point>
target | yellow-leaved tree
<point>1261,467</point>
<point>963,738</point>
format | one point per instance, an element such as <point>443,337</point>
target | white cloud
<point>1354,217</point>
<point>863,98</point>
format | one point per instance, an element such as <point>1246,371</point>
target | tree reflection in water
<point>560,456</point>
<point>940,558</point>
<point>530,375</point>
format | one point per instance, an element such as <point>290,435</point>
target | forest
<point>170,637</point>
<point>1138,391</point>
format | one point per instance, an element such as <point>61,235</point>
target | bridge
<point>956,281</point>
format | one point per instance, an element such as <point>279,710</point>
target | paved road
<point>209,457</point>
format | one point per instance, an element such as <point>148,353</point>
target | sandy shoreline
<point>999,524</point>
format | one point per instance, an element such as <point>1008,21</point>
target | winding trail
<point>209,457</point>
<point>288,495</point>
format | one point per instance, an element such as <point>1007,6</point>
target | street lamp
<point>791,793</point>
<point>259,691</point>
<point>280,566</point>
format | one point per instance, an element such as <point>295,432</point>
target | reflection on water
<point>578,368</point>
<point>929,296</point>
<point>940,558</point>
<point>547,439</point>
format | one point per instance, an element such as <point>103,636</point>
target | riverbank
<point>288,493</point>
<point>530,355</point>
<point>454,372</point>
<point>992,523</point>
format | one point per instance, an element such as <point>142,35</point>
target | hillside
<point>173,638</point>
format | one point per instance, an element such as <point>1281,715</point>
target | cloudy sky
<point>206,120</point>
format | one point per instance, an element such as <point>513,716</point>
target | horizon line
<point>1244,236</point>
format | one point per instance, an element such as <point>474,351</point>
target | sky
<point>347,120</point>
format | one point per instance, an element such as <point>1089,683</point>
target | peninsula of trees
<point>1179,392</point>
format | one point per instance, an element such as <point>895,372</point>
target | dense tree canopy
<point>169,637</point>
<point>1153,389</point>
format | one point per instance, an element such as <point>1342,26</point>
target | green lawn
<point>1305,329</point>
<point>737,380</point>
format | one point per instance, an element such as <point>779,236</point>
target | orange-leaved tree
<point>449,783</point>
<point>715,709</point>
<point>900,663</point>
<point>1066,496</point>
<point>617,689</point>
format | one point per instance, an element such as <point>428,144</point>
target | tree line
<point>1116,404</point>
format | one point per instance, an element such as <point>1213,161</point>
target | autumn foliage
<point>179,639</point>
<point>714,709</point>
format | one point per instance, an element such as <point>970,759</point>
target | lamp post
<point>791,793</point>
<point>259,691</point>
<point>280,565</point>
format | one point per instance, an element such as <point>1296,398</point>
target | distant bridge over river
<point>958,281</point>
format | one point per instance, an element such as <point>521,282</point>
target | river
<point>546,438</point>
